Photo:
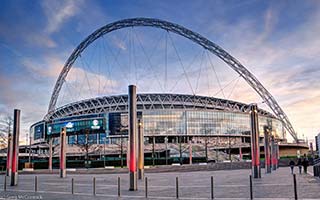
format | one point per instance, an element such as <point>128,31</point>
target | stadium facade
<point>164,117</point>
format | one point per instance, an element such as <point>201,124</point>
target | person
<point>291,163</point>
<point>299,165</point>
<point>305,163</point>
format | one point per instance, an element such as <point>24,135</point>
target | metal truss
<point>193,36</point>
<point>119,103</point>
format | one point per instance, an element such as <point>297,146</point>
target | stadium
<point>175,126</point>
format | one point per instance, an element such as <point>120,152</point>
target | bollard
<point>72,186</point>
<point>35,183</point>
<point>212,196</point>
<point>295,187</point>
<point>146,186</point>
<point>251,192</point>
<point>94,186</point>
<point>177,188</point>
<point>119,187</point>
<point>5,183</point>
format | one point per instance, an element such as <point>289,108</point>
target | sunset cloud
<point>278,42</point>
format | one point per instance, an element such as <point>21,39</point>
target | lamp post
<point>121,151</point>
<point>166,143</point>
<point>30,149</point>
<point>104,152</point>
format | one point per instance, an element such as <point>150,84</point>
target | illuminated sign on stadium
<point>78,126</point>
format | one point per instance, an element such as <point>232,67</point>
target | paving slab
<point>228,184</point>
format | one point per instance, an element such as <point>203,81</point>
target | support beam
<point>50,154</point>
<point>140,150</point>
<point>267,162</point>
<point>15,148</point>
<point>63,134</point>
<point>255,148</point>
<point>133,137</point>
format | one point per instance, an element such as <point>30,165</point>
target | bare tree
<point>85,144</point>
<point>6,123</point>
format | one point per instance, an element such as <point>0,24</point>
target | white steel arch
<point>193,36</point>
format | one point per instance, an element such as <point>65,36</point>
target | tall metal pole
<point>255,148</point>
<point>153,151</point>
<point>166,143</point>
<point>50,154</point>
<point>229,148</point>
<point>180,150</point>
<point>190,152</point>
<point>121,151</point>
<point>15,148</point>
<point>206,148</point>
<point>104,152</point>
<point>140,150</point>
<point>267,149</point>
<point>63,134</point>
<point>132,97</point>
<point>30,149</point>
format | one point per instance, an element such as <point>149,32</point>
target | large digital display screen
<point>38,132</point>
<point>93,125</point>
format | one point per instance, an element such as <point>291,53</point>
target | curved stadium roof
<point>119,103</point>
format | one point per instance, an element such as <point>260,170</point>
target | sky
<point>278,41</point>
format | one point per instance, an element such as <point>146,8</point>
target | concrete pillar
<point>267,162</point>
<point>9,157</point>
<point>132,97</point>
<point>140,150</point>
<point>50,154</point>
<point>255,148</point>
<point>190,152</point>
<point>63,134</point>
<point>15,148</point>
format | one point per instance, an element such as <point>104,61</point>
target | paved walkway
<point>231,184</point>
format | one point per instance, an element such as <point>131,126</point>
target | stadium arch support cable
<point>184,32</point>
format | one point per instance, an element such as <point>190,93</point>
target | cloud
<point>58,12</point>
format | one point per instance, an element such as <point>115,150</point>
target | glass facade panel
<point>191,122</point>
<point>164,122</point>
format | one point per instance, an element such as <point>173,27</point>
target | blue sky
<point>278,41</point>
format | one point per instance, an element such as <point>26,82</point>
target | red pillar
<point>132,97</point>
<point>140,150</point>
<point>255,148</point>
<point>15,148</point>
<point>63,133</point>
<point>267,149</point>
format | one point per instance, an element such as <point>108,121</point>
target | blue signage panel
<point>38,131</point>
<point>93,125</point>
